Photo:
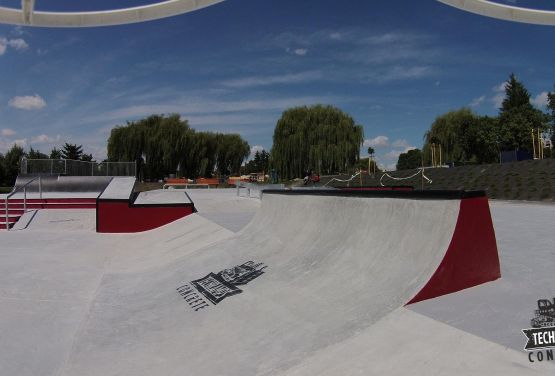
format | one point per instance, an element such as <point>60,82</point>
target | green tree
<point>87,157</point>
<point>517,118</point>
<point>12,161</point>
<point>55,153</point>
<point>322,138</point>
<point>232,151</point>
<point>167,145</point>
<point>371,151</point>
<point>516,95</point>
<point>364,164</point>
<point>446,131</point>
<point>2,171</point>
<point>259,163</point>
<point>72,151</point>
<point>410,160</point>
<point>464,138</point>
<point>36,154</point>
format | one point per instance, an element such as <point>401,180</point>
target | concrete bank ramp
<point>309,272</point>
<point>59,183</point>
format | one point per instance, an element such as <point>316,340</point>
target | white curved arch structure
<point>504,12</point>
<point>29,17</point>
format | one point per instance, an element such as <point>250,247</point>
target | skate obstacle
<point>453,228</point>
<point>119,209</point>
<point>311,271</point>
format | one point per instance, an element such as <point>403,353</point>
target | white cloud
<point>21,142</point>
<point>401,143</point>
<point>499,96</point>
<point>477,101</point>
<point>541,100</point>
<point>254,149</point>
<point>17,44</point>
<point>500,88</point>
<point>498,99</point>
<point>7,132</point>
<point>379,142</point>
<point>44,139</point>
<point>27,102</point>
<point>336,36</point>
<point>393,155</point>
<point>293,78</point>
<point>209,111</point>
<point>301,51</point>
<point>400,73</point>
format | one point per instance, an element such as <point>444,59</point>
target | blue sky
<point>394,65</point>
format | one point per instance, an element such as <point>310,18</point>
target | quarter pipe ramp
<point>311,270</point>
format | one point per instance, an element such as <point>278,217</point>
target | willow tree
<point>167,145</point>
<point>160,140</point>
<point>463,137</point>
<point>232,151</point>
<point>321,138</point>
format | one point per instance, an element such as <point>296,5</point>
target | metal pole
<point>534,144</point>
<point>24,200</point>
<point>6,207</point>
<point>40,188</point>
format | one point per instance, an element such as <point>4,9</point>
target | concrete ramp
<point>309,272</point>
<point>64,184</point>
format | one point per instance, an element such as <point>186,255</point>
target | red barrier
<point>471,258</point>
<point>121,217</point>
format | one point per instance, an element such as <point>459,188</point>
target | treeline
<point>463,137</point>
<point>164,145</point>
<point>319,138</point>
<point>10,162</point>
<point>259,163</point>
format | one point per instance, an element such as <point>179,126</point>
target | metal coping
<point>133,196</point>
<point>412,195</point>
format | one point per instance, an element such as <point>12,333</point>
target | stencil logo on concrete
<point>215,287</point>
<point>542,334</point>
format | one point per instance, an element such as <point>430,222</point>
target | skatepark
<point>333,275</point>
<point>102,273</point>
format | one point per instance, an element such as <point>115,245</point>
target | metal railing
<point>186,185</point>
<point>70,167</point>
<point>13,192</point>
<point>252,190</point>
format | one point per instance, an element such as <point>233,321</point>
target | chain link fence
<point>69,167</point>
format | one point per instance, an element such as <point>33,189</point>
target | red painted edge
<point>472,257</point>
<point>121,217</point>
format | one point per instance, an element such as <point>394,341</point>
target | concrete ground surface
<point>74,302</point>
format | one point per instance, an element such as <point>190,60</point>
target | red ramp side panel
<point>121,217</point>
<point>471,258</point>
